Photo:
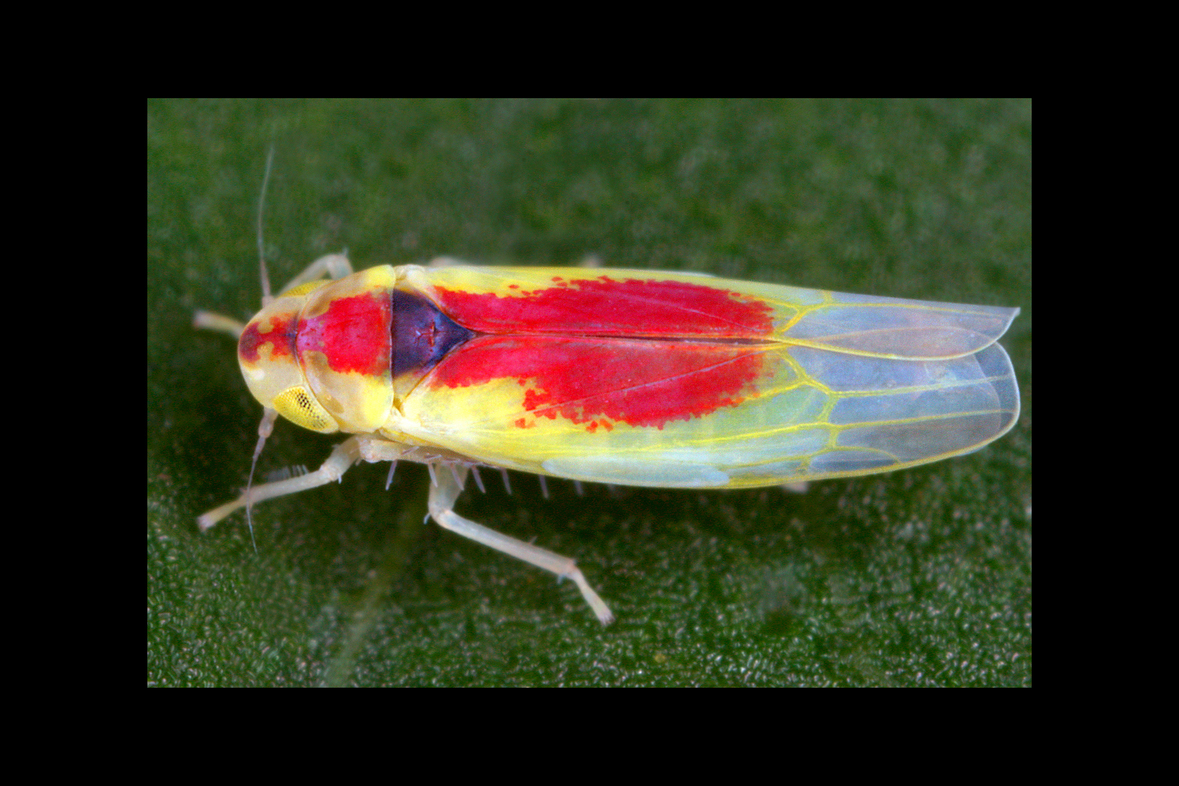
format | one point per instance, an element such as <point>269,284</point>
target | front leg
<point>341,459</point>
<point>333,265</point>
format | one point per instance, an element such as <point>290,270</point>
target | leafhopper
<point>630,377</point>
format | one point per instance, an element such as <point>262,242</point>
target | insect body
<point>619,376</point>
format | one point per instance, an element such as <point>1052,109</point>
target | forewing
<point>743,385</point>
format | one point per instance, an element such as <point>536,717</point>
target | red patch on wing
<point>602,381</point>
<point>607,307</point>
<point>590,351</point>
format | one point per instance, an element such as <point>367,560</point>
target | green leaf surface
<point>921,577</point>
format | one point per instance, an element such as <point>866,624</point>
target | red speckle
<point>353,334</point>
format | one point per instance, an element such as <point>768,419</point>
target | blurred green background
<point>921,577</point>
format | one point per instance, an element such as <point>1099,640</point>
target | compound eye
<point>297,405</point>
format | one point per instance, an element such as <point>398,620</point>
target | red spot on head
<point>353,334</point>
<point>279,337</point>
